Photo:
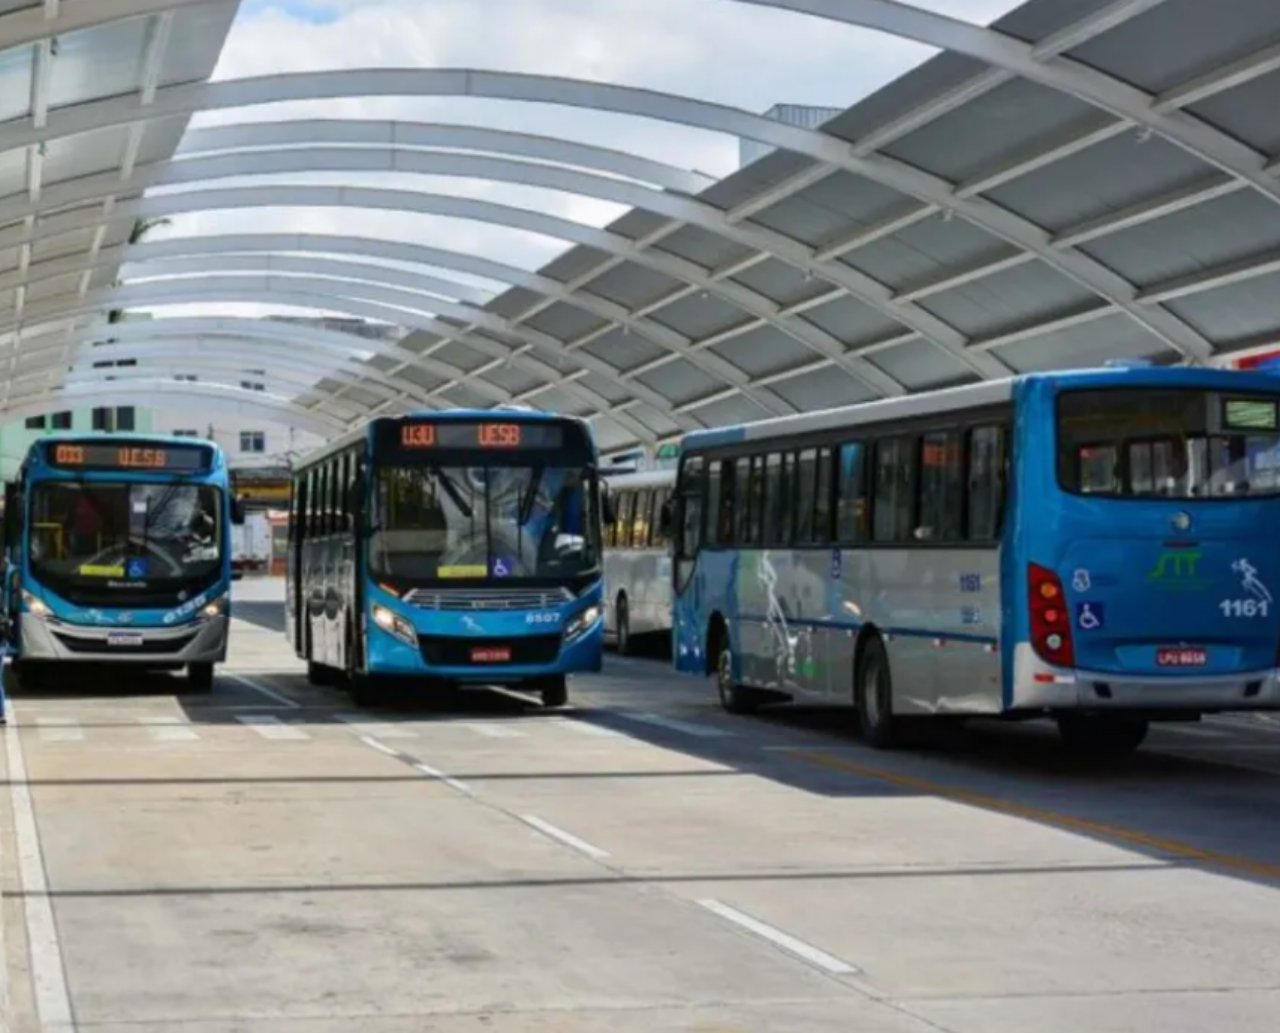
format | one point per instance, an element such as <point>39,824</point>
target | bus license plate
<point>124,638</point>
<point>1181,657</point>
<point>491,655</point>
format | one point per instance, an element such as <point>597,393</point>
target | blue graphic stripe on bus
<point>841,625</point>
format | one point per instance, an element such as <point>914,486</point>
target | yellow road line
<point>1117,833</point>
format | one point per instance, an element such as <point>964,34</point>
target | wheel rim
<point>724,679</point>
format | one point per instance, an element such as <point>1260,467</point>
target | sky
<point>731,53</point>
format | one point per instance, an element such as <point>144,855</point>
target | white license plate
<point>124,638</point>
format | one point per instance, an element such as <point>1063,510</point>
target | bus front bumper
<point>1040,686</point>
<point>50,639</point>
<point>390,656</point>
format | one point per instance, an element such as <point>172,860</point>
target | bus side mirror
<point>237,511</point>
<point>608,509</point>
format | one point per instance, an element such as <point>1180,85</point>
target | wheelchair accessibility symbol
<point>1090,616</point>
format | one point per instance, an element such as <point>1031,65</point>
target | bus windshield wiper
<point>530,496</point>
<point>455,496</point>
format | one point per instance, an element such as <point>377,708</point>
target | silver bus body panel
<point>644,577</point>
<point>800,613</point>
<point>205,642</point>
<point>1076,689</point>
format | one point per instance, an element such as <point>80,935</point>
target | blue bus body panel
<point>1146,575</point>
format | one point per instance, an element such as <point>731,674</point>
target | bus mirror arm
<point>237,511</point>
<point>666,517</point>
<point>608,510</point>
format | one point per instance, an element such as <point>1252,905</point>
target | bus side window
<point>788,488</point>
<point>806,472</point>
<point>986,483</point>
<point>742,501</point>
<point>689,511</point>
<point>894,495</point>
<point>851,494</point>
<point>775,501</point>
<point>661,500</point>
<point>941,487</point>
<point>722,516</point>
<point>822,507</point>
<point>640,522</point>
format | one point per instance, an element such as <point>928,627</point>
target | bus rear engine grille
<point>444,651</point>
<point>487,598</point>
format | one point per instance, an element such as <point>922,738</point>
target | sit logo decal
<point>1177,570</point>
<point>1256,599</point>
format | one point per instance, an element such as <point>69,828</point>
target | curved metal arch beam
<point>325,298</point>
<point>1063,74</point>
<point>215,330</point>
<point>32,24</point>
<point>624,248</point>
<point>394,306</point>
<point>404,135</point>
<point>572,181</point>
<point>238,401</point>
<point>934,190</point>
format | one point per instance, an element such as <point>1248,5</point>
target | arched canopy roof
<point>1084,179</point>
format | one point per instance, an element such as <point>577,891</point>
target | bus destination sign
<point>486,436</point>
<point>86,455</point>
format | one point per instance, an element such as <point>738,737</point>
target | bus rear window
<point>1171,444</point>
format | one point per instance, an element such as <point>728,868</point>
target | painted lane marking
<point>271,727</point>
<point>676,725</point>
<point>262,690</point>
<point>1194,730</point>
<point>567,838</point>
<point>791,944</point>
<point>440,776</point>
<point>494,731</point>
<point>585,727</point>
<point>59,729</point>
<point>167,728</point>
<point>381,747</point>
<point>1103,830</point>
<point>384,730</point>
<point>48,976</point>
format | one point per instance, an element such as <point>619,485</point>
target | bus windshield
<point>1168,443</point>
<point>437,523</point>
<point>110,534</point>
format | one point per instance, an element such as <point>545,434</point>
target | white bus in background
<point>637,563</point>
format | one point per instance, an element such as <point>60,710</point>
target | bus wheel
<point>1101,736</point>
<point>873,697</point>
<point>735,698</point>
<point>200,677</point>
<point>555,691</point>
<point>622,625</point>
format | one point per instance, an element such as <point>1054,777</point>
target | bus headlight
<point>392,623</point>
<point>34,606</point>
<point>582,622</point>
<point>213,609</point>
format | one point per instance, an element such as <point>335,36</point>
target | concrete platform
<point>270,858</point>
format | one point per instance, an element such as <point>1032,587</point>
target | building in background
<point>17,436</point>
<point>807,116</point>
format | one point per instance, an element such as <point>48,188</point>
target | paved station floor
<point>270,858</point>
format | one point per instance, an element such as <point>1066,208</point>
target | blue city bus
<point>448,547</point>
<point>117,552</point>
<point>1097,547</point>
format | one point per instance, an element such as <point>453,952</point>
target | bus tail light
<point>1050,625</point>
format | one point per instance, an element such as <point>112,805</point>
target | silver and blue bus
<point>637,558</point>
<point>1097,547</point>
<point>117,552</point>
<point>448,547</point>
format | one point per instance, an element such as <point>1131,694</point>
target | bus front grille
<point>445,651</point>
<point>148,647</point>
<point>487,598</point>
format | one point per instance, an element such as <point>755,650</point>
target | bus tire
<point>734,698</point>
<point>873,696</point>
<point>554,690</point>
<point>1093,735</point>
<point>200,677</point>
<point>622,625</point>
